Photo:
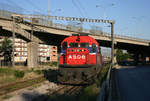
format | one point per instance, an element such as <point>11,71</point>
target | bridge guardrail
<point>46,22</point>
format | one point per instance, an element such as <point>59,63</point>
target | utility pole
<point>104,18</point>
<point>32,21</point>
<point>112,44</point>
<point>48,7</point>
<point>49,20</point>
<point>13,50</point>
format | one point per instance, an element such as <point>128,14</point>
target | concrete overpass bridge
<point>53,34</point>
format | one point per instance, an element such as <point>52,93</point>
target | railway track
<point>20,85</point>
<point>67,90</point>
<point>26,83</point>
<point>62,92</point>
<point>59,93</point>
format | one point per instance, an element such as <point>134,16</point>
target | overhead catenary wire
<point>80,11</point>
<point>83,8</point>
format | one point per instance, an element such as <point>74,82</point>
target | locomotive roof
<point>87,39</point>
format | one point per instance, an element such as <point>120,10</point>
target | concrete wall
<point>32,54</point>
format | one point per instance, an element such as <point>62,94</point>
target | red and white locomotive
<point>80,58</point>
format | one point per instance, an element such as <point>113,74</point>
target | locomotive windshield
<point>84,45</point>
<point>73,45</point>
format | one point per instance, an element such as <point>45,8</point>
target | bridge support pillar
<point>32,60</point>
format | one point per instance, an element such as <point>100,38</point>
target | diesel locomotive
<point>79,60</point>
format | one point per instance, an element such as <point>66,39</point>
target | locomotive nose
<point>76,56</point>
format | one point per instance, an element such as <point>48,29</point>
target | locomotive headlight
<point>74,50</point>
<point>77,50</point>
<point>82,50</point>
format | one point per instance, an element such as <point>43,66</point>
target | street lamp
<point>48,7</point>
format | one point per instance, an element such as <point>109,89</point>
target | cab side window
<point>93,47</point>
<point>64,46</point>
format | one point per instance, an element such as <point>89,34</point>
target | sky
<point>132,17</point>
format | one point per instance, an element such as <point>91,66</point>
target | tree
<point>6,49</point>
<point>122,56</point>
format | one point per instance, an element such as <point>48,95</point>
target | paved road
<point>134,83</point>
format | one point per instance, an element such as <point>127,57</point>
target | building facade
<point>47,53</point>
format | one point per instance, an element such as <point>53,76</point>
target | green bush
<point>6,71</point>
<point>32,69</point>
<point>6,97</point>
<point>90,93</point>
<point>51,64</point>
<point>102,75</point>
<point>39,72</point>
<point>19,74</point>
<point>54,63</point>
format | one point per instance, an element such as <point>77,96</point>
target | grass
<point>53,64</point>
<point>36,85</point>
<point>6,97</point>
<point>7,79</point>
<point>102,75</point>
<point>6,71</point>
<point>6,75</point>
<point>22,85</point>
<point>91,92</point>
<point>19,74</point>
<point>10,75</point>
<point>38,72</point>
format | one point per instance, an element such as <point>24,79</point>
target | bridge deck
<point>134,83</point>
